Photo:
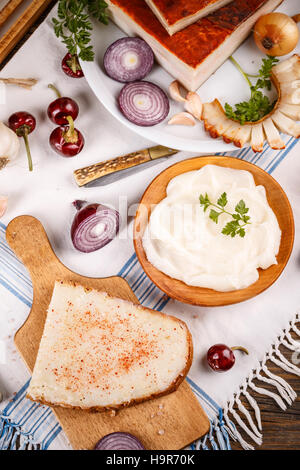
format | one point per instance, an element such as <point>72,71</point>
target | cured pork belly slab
<point>175,15</point>
<point>98,352</point>
<point>193,54</point>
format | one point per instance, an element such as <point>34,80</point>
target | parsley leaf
<point>214,215</point>
<point>204,201</point>
<point>231,228</point>
<point>259,104</point>
<point>241,208</point>
<point>73,25</point>
<point>222,201</point>
<point>240,219</point>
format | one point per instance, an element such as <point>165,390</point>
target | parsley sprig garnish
<point>240,217</point>
<point>259,104</point>
<point>74,26</point>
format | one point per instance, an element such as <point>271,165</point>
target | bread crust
<point>172,387</point>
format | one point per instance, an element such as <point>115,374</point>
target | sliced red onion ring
<point>144,103</point>
<point>94,226</point>
<point>119,441</point>
<point>128,59</point>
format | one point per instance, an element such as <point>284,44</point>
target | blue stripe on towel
<point>36,425</point>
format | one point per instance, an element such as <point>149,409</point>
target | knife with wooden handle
<point>112,170</point>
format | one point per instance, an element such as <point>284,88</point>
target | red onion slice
<point>94,226</point>
<point>144,103</point>
<point>128,59</point>
<point>119,441</point>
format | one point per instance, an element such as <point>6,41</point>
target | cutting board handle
<point>27,238</point>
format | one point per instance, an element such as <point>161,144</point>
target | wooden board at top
<point>181,417</point>
<point>22,24</point>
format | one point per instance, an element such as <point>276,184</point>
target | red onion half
<point>94,226</point>
<point>128,59</point>
<point>144,103</point>
<point>119,441</point>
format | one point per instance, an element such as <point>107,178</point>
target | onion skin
<point>119,441</point>
<point>276,34</point>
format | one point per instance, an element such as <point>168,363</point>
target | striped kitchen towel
<point>26,425</point>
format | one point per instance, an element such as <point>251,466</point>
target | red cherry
<point>221,358</point>
<point>23,123</point>
<point>71,66</point>
<point>61,108</point>
<point>66,140</point>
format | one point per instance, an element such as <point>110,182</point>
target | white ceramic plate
<point>226,84</point>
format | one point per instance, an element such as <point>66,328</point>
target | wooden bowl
<point>178,290</point>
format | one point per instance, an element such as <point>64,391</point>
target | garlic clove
<point>285,124</point>
<point>3,205</point>
<point>182,119</point>
<point>272,134</point>
<point>257,138</point>
<point>194,104</point>
<point>175,93</point>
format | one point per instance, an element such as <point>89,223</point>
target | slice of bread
<point>98,352</point>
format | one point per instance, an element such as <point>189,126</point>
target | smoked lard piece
<point>175,15</point>
<point>193,54</point>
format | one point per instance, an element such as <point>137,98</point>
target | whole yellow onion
<point>276,34</point>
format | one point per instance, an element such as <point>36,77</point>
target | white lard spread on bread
<point>183,242</point>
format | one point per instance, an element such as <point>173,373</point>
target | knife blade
<point>109,171</point>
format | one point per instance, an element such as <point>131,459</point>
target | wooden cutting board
<point>181,416</point>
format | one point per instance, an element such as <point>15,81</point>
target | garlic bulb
<point>9,145</point>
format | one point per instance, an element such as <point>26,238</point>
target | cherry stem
<point>71,135</point>
<point>55,90</point>
<point>78,204</point>
<point>240,348</point>
<point>25,137</point>
<point>73,64</point>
